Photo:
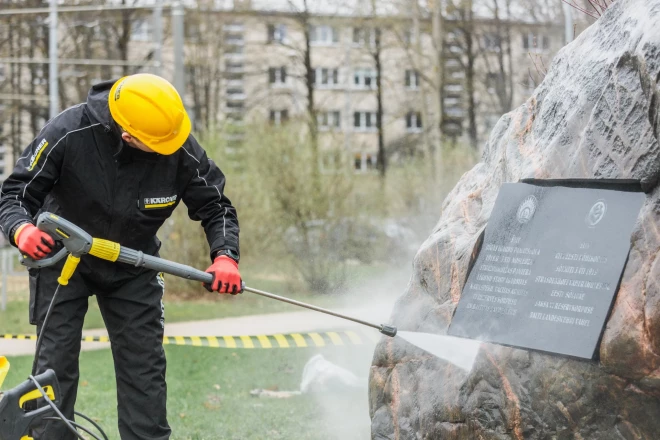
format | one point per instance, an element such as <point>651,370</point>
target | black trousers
<point>133,312</point>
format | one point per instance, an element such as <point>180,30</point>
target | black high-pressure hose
<point>71,425</point>
<point>37,350</point>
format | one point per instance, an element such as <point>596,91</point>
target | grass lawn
<point>209,394</point>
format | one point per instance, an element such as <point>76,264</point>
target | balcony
<point>453,89</point>
<point>235,68</point>
<point>234,107</point>
<point>231,96</point>
<point>234,40</point>
<point>454,112</point>
<point>233,27</point>
<point>234,83</point>
<point>235,56</point>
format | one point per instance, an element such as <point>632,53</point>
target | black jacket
<point>78,167</point>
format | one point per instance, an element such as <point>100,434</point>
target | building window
<point>454,36</point>
<point>141,30</point>
<point>2,72</point>
<point>236,94</point>
<point>364,36</point>
<point>453,88</point>
<point>364,162</point>
<point>493,81</point>
<point>324,35</point>
<point>454,112</point>
<point>412,79</point>
<point>452,62</point>
<point>233,107</point>
<point>276,33</point>
<point>234,49</point>
<point>455,48</point>
<point>194,34</point>
<point>409,37</point>
<point>324,77</point>
<point>39,77</point>
<point>234,39</point>
<point>492,42</point>
<point>233,27</point>
<point>534,41</point>
<point>328,120</point>
<point>413,122</point>
<point>453,128</point>
<point>234,67</point>
<point>236,83</point>
<point>278,117</point>
<point>277,76</point>
<point>457,74</point>
<point>365,121</point>
<point>365,78</point>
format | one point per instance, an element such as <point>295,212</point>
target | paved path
<point>291,322</point>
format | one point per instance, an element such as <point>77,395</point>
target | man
<point>117,166</point>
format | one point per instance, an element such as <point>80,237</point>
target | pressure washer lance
<point>77,242</point>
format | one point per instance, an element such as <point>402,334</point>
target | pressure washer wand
<point>139,259</point>
<point>78,242</point>
<point>387,330</point>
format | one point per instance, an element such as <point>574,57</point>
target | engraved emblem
<point>596,213</point>
<point>527,209</point>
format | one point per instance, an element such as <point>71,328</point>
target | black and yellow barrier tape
<point>290,340</point>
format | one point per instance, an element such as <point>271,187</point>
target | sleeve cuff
<point>15,229</point>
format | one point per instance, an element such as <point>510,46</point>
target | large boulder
<point>596,115</point>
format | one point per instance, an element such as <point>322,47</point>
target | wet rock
<point>596,115</point>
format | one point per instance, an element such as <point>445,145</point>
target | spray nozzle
<point>388,330</point>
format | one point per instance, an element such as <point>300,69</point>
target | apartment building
<point>264,53</point>
<point>250,62</point>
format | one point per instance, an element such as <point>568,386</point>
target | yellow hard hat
<point>149,108</point>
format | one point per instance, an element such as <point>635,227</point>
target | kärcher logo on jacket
<point>37,154</point>
<point>159,202</point>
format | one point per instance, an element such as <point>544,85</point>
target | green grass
<point>209,394</point>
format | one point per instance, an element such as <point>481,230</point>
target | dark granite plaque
<point>548,268</point>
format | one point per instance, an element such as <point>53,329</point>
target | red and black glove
<point>226,278</point>
<point>33,241</point>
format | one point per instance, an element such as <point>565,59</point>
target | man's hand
<point>32,241</point>
<point>226,278</point>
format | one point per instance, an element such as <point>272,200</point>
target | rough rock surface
<point>596,115</point>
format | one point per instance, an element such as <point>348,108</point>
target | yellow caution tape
<point>312,339</point>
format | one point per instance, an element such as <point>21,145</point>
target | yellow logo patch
<point>159,202</point>
<point>37,154</point>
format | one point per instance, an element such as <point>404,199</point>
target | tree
<point>302,16</point>
<point>375,48</point>
<point>466,29</point>
<point>204,71</point>
<point>424,45</point>
<point>497,41</point>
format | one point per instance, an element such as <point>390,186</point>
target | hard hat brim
<point>172,145</point>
